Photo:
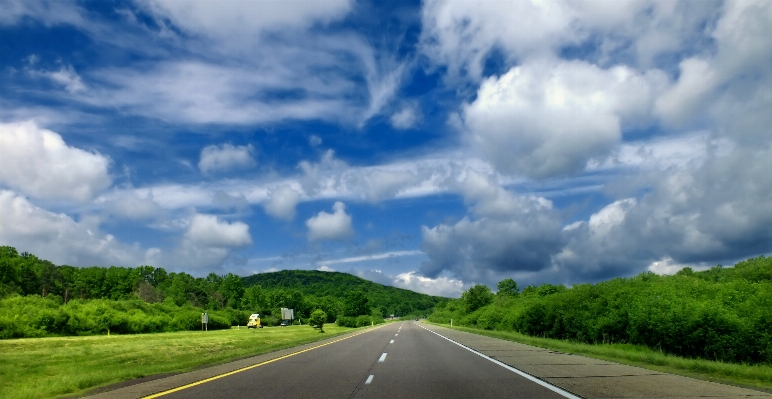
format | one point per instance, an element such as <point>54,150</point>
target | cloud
<point>39,163</point>
<point>59,238</point>
<point>65,76</point>
<point>463,35</point>
<point>333,227</point>
<point>131,205</point>
<point>404,119</point>
<point>210,231</point>
<point>441,286</point>
<point>282,202</point>
<point>365,258</point>
<point>549,119</point>
<point>509,233</point>
<point>225,157</point>
<point>244,21</point>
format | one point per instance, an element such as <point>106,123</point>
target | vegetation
<point>722,314</point>
<point>317,319</point>
<point>52,367</point>
<point>41,299</point>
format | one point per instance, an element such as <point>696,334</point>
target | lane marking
<point>396,335</point>
<point>369,379</point>
<point>391,342</point>
<point>217,377</point>
<point>523,374</point>
<point>383,357</point>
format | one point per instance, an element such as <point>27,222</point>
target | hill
<point>313,283</point>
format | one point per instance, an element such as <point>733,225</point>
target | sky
<point>426,145</point>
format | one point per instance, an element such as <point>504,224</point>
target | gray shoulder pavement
<point>593,378</point>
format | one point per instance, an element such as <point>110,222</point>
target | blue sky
<point>427,145</point>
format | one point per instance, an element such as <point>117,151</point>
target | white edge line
<point>510,368</point>
<point>383,357</point>
<point>369,379</point>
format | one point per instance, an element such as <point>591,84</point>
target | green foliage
<point>507,287</point>
<point>317,319</point>
<point>477,297</point>
<point>356,304</point>
<point>327,291</point>
<point>35,316</point>
<point>722,314</point>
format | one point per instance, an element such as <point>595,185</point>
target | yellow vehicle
<point>254,321</point>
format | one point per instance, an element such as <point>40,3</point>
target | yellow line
<point>192,384</point>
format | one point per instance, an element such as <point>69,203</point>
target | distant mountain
<point>335,284</point>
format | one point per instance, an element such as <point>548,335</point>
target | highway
<point>401,360</point>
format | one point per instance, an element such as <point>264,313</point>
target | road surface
<point>398,360</point>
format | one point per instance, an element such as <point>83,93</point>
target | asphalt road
<point>399,360</point>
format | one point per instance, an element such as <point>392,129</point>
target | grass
<point>750,376</point>
<point>52,367</point>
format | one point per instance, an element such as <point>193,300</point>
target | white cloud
<point>335,226</point>
<point>404,119</point>
<point>441,286</point>
<point>128,204</point>
<point>282,202</point>
<point>65,76</point>
<point>243,21</point>
<point>314,140</point>
<point>39,163</point>
<point>365,258</point>
<point>225,157</point>
<point>549,119</point>
<point>210,231</point>
<point>59,238</point>
<point>461,35</point>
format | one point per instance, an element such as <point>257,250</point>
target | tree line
<point>39,298</point>
<point>722,314</point>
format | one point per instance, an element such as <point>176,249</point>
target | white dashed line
<point>396,335</point>
<point>369,379</point>
<point>383,357</point>
<point>391,342</point>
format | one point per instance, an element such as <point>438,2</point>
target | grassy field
<point>52,367</point>
<point>757,376</point>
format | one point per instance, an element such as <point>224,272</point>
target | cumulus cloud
<point>334,226</point>
<point>39,163</point>
<point>131,205</point>
<point>549,119</point>
<point>441,286</point>
<point>282,202</point>
<point>210,231</point>
<point>225,157</point>
<point>59,238</point>
<point>509,233</point>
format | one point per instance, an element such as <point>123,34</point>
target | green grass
<point>750,376</point>
<point>52,367</point>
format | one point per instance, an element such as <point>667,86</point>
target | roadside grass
<point>749,376</point>
<point>52,367</point>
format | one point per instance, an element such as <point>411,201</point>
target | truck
<point>254,321</point>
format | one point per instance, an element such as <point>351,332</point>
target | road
<point>398,360</point>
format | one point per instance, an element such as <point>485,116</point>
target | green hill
<point>313,283</point>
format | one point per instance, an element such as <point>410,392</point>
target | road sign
<point>287,314</point>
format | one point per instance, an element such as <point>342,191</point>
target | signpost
<point>204,321</point>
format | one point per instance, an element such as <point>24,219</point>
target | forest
<point>39,298</point>
<point>723,314</point>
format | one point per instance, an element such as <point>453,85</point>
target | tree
<point>356,304</point>
<point>317,319</point>
<point>477,297</point>
<point>507,287</point>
